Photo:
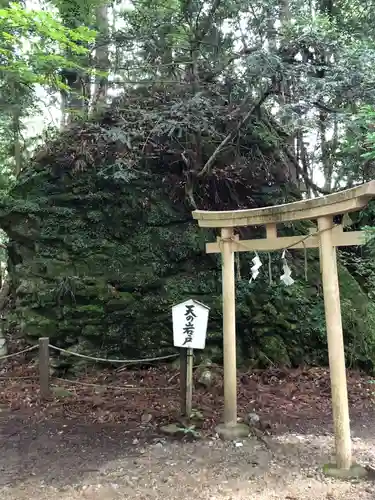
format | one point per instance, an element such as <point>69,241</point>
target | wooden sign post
<point>190,320</point>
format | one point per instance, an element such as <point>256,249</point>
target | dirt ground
<point>69,461</point>
<point>105,443</point>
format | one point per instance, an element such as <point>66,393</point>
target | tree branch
<point>208,23</point>
<point>324,107</point>
<point>309,183</point>
<point>291,156</point>
<point>232,134</point>
<point>317,104</point>
<point>244,52</point>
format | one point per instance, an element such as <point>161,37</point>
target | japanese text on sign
<point>189,323</point>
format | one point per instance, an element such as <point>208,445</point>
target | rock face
<point>101,263</point>
<point>100,249</point>
<point>97,265</point>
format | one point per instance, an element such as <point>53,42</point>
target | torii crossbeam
<point>327,238</point>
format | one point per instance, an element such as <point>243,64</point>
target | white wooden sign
<point>190,320</point>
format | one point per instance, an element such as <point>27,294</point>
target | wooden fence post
<point>44,367</point>
<point>189,382</point>
<point>183,379</point>
<point>186,381</point>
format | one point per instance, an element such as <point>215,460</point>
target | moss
<point>274,351</point>
<point>101,258</point>
<point>89,331</point>
<point>33,324</point>
<point>355,472</point>
<point>118,304</point>
<point>56,267</point>
<point>26,287</point>
<point>358,317</point>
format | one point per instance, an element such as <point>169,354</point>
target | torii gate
<point>327,238</point>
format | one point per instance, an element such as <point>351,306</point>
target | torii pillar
<point>327,238</point>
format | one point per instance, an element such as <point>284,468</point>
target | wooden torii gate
<point>327,237</point>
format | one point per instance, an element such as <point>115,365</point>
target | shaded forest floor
<point>105,443</point>
<point>285,399</point>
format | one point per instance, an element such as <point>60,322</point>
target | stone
<point>212,353</point>
<point>232,432</point>
<point>100,492</point>
<point>172,429</point>
<point>252,419</point>
<point>206,378</point>
<point>356,471</point>
<point>146,418</point>
<point>196,415</point>
<point>61,392</point>
<point>176,364</point>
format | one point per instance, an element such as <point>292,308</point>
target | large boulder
<point>101,262</point>
<point>102,242</point>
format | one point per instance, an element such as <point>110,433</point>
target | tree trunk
<point>17,142</point>
<point>16,129</point>
<point>286,95</point>
<point>4,292</point>
<point>102,63</point>
<point>75,102</point>
<point>325,157</point>
<point>303,159</point>
<point>63,110</point>
<point>325,7</point>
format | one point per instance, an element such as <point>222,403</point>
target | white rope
<point>117,387</point>
<point>32,348</point>
<point>122,361</point>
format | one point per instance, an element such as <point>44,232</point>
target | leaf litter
<point>104,441</point>
<point>289,399</point>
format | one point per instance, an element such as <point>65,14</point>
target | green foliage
<point>48,41</point>
<point>358,147</point>
<point>34,47</point>
<point>76,13</point>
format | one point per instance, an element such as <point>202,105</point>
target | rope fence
<point>45,347</point>
<point>14,354</point>
<point>126,388</point>
<point>121,361</point>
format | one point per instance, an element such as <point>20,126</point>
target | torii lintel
<point>349,200</point>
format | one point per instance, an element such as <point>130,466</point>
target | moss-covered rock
<point>274,351</point>
<point>102,243</point>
